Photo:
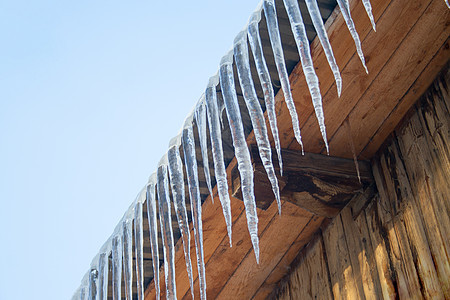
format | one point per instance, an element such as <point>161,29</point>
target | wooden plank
<point>396,179</point>
<point>401,15</point>
<point>396,76</point>
<point>342,276</point>
<point>274,243</point>
<point>310,279</point>
<point>429,195</point>
<point>360,252</point>
<point>224,260</point>
<point>381,256</point>
<point>283,266</point>
<point>343,49</point>
<point>400,256</point>
<point>407,101</point>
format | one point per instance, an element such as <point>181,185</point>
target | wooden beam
<point>318,183</point>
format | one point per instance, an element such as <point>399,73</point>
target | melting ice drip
<point>116,255</point>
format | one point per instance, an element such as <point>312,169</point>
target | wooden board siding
<point>397,246</point>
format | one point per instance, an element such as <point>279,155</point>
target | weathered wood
<point>310,279</point>
<point>305,236</point>
<point>343,281</point>
<point>361,254</point>
<point>360,200</point>
<point>391,81</point>
<point>400,254</point>
<point>429,183</point>
<point>274,243</point>
<point>318,183</point>
<point>381,256</point>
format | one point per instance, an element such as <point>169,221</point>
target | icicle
<point>128,257</point>
<point>103,268</point>
<point>352,147</point>
<point>275,41</point>
<point>196,203</point>
<point>217,151</point>
<point>84,289</point>
<point>177,185</point>
<point>368,8</point>
<point>240,147</point>
<point>264,78</point>
<point>255,111</point>
<point>448,4</point>
<point>200,119</point>
<point>345,10</point>
<point>165,218</point>
<point>153,228</point>
<point>93,275</point>
<point>77,294</point>
<point>301,39</point>
<point>117,266</point>
<point>139,246</point>
<point>316,18</point>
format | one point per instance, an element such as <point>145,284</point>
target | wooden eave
<point>403,57</point>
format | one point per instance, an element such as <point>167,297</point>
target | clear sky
<point>90,94</point>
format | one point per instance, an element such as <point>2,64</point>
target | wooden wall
<point>397,245</point>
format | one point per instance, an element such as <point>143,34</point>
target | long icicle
<point>317,20</point>
<point>275,41</point>
<point>254,108</point>
<point>368,8</point>
<point>103,267</point>
<point>177,186</point>
<point>264,78</point>
<point>200,119</point>
<point>128,257</point>
<point>240,147</point>
<point>196,203</point>
<point>165,218</point>
<point>117,266</point>
<point>139,245</point>
<point>93,276</point>
<point>345,10</point>
<point>153,230</point>
<point>217,151</point>
<point>301,39</point>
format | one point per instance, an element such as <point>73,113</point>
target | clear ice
<point>128,257</point>
<point>165,218</point>
<point>316,18</point>
<point>139,245</point>
<point>117,265</point>
<point>345,10</point>
<point>275,40</point>
<point>217,151</point>
<point>103,267</point>
<point>240,147</point>
<point>254,108</point>
<point>177,186</point>
<point>368,8</point>
<point>264,78</point>
<point>196,203</point>
<point>93,276</point>
<point>153,228</point>
<point>301,39</point>
<point>200,119</point>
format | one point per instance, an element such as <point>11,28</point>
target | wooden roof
<point>403,56</point>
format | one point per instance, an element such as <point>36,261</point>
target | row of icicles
<point>119,246</point>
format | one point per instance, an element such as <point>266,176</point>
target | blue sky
<point>90,94</point>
